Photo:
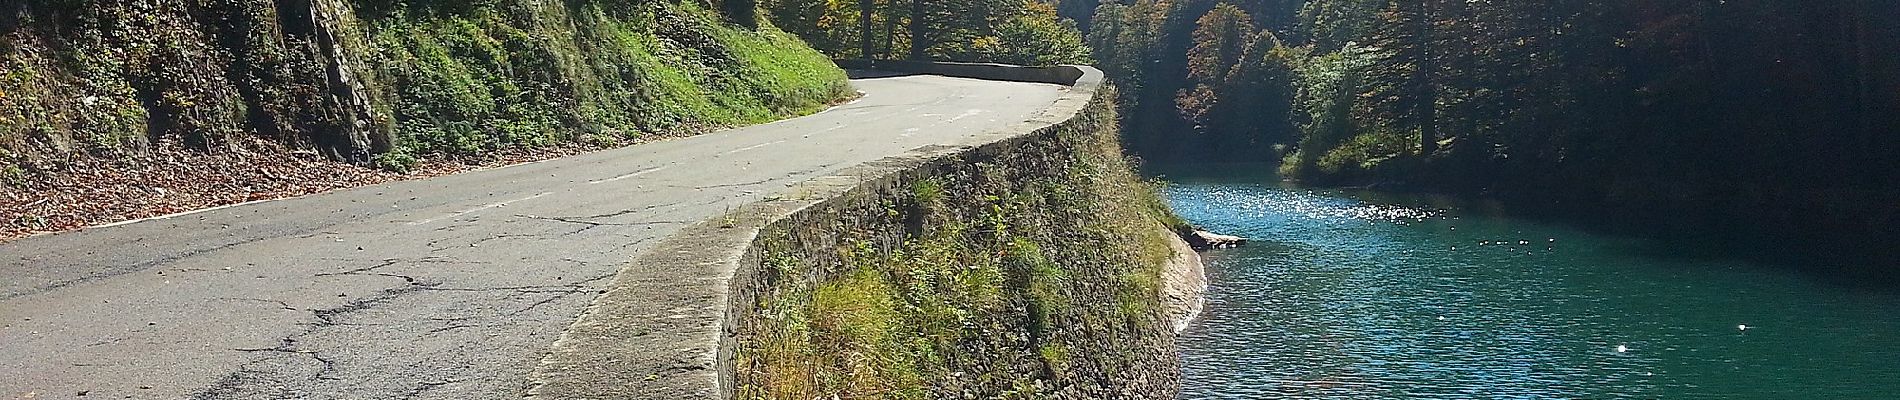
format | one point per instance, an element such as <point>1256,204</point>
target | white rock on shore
<point>1184,286</point>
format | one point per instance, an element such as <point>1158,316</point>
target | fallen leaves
<point>90,191</point>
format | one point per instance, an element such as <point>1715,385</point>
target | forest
<point>1767,120</point>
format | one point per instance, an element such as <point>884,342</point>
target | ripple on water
<point>1348,299</point>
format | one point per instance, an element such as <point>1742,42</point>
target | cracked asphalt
<point>444,288</point>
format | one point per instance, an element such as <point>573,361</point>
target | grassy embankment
<point>141,107</point>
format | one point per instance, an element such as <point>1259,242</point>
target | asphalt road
<point>445,288</point>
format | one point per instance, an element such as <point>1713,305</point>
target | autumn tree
<point>1220,38</point>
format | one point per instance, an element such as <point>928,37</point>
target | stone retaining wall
<point>672,323</point>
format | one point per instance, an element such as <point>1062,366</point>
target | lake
<point>1349,294</point>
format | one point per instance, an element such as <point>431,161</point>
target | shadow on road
<point>870,74</point>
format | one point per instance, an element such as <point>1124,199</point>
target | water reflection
<point>1349,299</point>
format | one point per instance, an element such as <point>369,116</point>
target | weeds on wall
<point>1035,274</point>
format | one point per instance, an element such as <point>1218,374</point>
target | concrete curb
<point>665,327</point>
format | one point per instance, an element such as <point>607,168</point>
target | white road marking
<point>911,131</point>
<point>749,148</point>
<point>966,114</point>
<point>636,173</point>
<point>472,210</point>
<point>831,129</point>
<point>170,216</point>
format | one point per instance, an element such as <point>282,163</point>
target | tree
<point>1407,36</point>
<point>1330,25</point>
<point>867,9</point>
<point>1221,37</point>
<point>1080,11</point>
<point>920,32</point>
<point>1036,37</point>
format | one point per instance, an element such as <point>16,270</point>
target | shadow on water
<point>1648,236</point>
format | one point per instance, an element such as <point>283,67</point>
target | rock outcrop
<point>1204,240</point>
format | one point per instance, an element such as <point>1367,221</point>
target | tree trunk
<point>1425,99</point>
<point>890,38</point>
<point>919,40</point>
<point>1428,119</point>
<point>865,32</point>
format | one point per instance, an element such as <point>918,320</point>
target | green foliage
<point>927,193</point>
<point>1335,24</point>
<point>13,175</point>
<point>1048,283</point>
<point>859,316</point>
<point>398,161</point>
<point>1364,152</point>
<point>1158,206</point>
<point>394,82</point>
<point>1024,32</point>
<point>1327,92</point>
<point>53,102</point>
<point>1036,38</point>
<point>477,82</point>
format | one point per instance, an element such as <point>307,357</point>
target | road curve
<point>449,288</point>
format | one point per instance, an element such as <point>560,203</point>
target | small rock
<point>1204,240</point>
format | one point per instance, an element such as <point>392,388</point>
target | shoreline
<point>1184,287</point>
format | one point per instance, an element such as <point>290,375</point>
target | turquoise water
<point>1360,295</point>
